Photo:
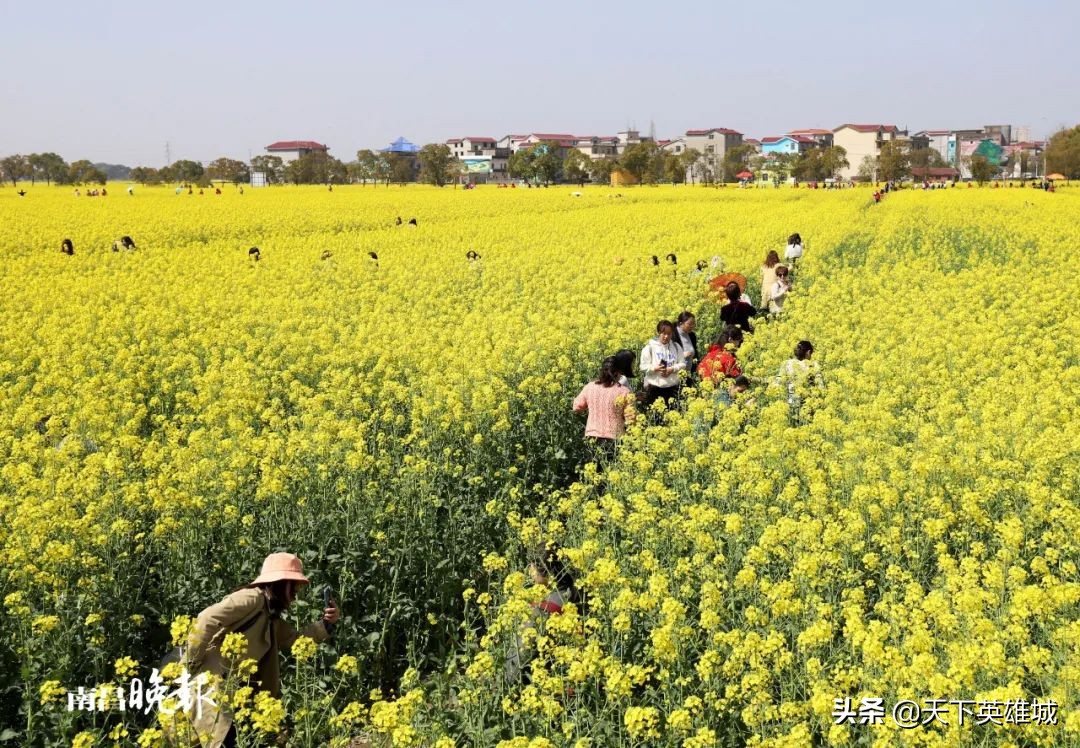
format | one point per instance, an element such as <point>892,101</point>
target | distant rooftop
<point>869,128</point>
<point>401,145</point>
<point>721,130</point>
<point>296,145</point>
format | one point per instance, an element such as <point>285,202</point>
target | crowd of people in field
<point>672,364</point>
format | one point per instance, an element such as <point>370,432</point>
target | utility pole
<point>168,155</point>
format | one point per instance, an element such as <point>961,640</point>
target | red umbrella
<point>719,283</point>
<point>744,175</point>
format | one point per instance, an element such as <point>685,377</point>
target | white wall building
<point>290,150</point>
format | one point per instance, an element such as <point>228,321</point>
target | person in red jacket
<point>721,361</point>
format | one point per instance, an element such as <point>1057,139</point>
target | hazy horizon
<point>114,81</point>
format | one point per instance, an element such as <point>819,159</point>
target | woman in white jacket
<point>661,363</point>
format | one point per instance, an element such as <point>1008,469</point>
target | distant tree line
<point>49,168</point>
<point>546,162</point>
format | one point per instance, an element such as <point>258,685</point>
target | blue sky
<point>113,81</point>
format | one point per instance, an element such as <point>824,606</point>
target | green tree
<point>521,164</point>
<point>52,168</point>
<point>638,158</point>
<point>868,168</point>
<point>736,159</point>
<point>575,166</point>
<point>925,157</point>
<point>271,166</point>
<point>808,166</point>
<point>782,165</point>
<point>437,164</point>
<point>690,159</point>
<point>982,171</point>
<point>600,169</point>
<point>15,167</point>
<point>894,161</point>
<point>365,166</point>
<point>185,170</point>
<point>228,169</point>
<point>401,168</point>
<point>657,169</point>
<point>546,164</point>
<point>84,172</point>
<point>674,168</point>
<point>316,167</point>
<point>384,169</point>
<point>833,159</point>
<point>146,175</point>
<point>1063,153</point>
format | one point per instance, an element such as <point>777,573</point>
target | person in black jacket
<point>737,312</point>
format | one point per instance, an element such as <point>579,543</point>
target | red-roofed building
<point>713,144</point>
<point>864,142</point>
<point>290,150</point>
<point>823,138</point>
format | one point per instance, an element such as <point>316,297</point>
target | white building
<point>484,159</point>
<point>713,144</point>
<point>290,150</point>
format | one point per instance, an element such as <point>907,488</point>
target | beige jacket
<point>246,609</point>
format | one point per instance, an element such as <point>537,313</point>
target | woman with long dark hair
<point>768,277</point>
<point>722,359</point>
<point>737,312</point>
<point>610,408</point>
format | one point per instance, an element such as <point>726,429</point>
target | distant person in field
<point>794,249</point>
<point>780,288</point>
<point>254,254</point>
<point>610,408</point>
<point>721,362</point>
<point>768,276</point>
<point>131,189</point>
<point>398,222</point>
<point>412,222</point>
<point>66,247</point>
<point>736,311</point>
<point>125,243</point>
<point>660,363</point>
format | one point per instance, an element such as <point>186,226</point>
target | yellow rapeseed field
<point>171,414</point>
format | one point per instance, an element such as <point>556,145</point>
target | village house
<point>290,150</point>
<point>862,141</point>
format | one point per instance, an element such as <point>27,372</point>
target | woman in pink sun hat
<point>253,610</point>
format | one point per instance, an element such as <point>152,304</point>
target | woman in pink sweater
<point>610,407</point>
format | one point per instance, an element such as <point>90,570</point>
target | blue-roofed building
<point>786,144</point>
<point>401,145</point>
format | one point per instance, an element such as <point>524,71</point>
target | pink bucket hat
<point>278,566</point>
